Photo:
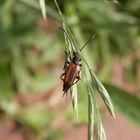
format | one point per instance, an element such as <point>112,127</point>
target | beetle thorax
<point>76,57</point>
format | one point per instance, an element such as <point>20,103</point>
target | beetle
<point>71,74</point>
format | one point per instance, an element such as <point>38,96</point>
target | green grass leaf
<point>43,8</point>
<point>126,103</point>
<point>90,115</point>
<point>101,132</point>
<point>103,92</point>
<point>74,99</point>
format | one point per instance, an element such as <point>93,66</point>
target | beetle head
<point>76,57</point>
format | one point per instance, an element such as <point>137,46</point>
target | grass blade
<point>126,103</point>
<point>74,99</point>
<point>97,117</point>
<point>60,13</point>
<point>90,115</point>
<point>101,132</point>
<point>43,8</point>
<point>103,92</point>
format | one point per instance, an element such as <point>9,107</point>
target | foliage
<point>30,58</point>
<point>126,103</point>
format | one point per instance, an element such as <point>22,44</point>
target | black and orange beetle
<point>71,74</point>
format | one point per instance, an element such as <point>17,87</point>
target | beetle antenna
<point>92,37</point>
<point>61,28</point>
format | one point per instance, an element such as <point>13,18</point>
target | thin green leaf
<point>101,132</point>
<point>32,3</point>
<point>60,13</point>
<point>74,99</point>
<point>43,8</point>
<point>68,42</point>
<point>103,92</point>
<point>5,84</point>
<point>90,115</point>
<point>126,103</point>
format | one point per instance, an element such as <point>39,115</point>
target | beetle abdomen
<point>66,86</point>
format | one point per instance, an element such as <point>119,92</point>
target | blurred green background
<point>32,57</point>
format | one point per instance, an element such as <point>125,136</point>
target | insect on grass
<point>71,74</point>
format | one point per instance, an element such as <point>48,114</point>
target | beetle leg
<point>68,62</point>
<point>78,78</point>
<point>66,65</point>
<point>66,53</point>
<point>80,67</point>
<point>67,58</point>
<point>64,94</point>
<point>61,77</point>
